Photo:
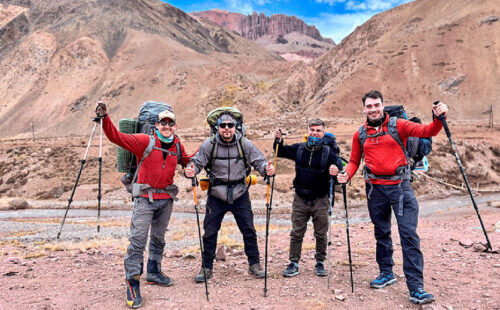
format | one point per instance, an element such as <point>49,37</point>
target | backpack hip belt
<point>140,189</point>
<point>402,173</point>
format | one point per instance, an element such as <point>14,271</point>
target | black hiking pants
<point>242,212</point>
<point>379,207</point>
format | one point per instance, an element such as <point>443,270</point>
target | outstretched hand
<point>100,109</point>
<point>440,109</point>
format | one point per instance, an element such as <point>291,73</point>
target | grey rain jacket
<point>229,170</point>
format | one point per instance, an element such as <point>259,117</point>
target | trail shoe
<point>200,277</point>
<point>156,276</point>
<point>385,278</point>
<point>134,299</point>
<point>159,278</point>
<point>256,271</point>
<point>320,269</point>
<point>419,296</point>
<point>292,270</point>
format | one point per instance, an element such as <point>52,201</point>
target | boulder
<point>18,204</point>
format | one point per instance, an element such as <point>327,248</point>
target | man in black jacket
<point>315,160</point>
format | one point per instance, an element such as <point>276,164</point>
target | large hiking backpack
<point>212,118</point>
<point>145,123</point>
<point>214,115</point>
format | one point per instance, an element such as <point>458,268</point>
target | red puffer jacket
<point>383,155</point>
<point>154,171</point>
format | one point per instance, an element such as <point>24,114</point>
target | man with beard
<point>227,192</point>
<point>381,143</point>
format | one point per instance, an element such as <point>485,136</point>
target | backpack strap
<point>241,151</point>
<point>393,131</point>
<point>178,153</point>
<point>147,151</point>
<point>300,150</point>
<point>324,157</point>
<point>212,153</point>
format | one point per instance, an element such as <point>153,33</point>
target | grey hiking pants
<point>146,215</point>
<point>302,210</point>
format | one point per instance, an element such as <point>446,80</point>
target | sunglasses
<point>228,125</point>
<point>168,122</point>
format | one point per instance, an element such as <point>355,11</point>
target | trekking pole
<point>269,202</point>
<point>99,119</point>
<point>194,182</point>
<point>83,161</point>
<point>332,201</point>
<point>448,134</point>
<point>344,192</point>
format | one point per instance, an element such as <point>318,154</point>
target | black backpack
<point>416,148</point>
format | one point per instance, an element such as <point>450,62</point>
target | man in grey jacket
<point>227,158</point>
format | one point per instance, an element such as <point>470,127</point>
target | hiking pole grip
<point>344,193</point>
<point>464,176</point>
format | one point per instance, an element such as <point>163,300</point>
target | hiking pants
<point>302,210</point>
<point>146,215</point>
<point>242,212</point>
<point>379,207</point>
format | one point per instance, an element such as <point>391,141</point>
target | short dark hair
<point>374,94</point>
<point>316,122</point>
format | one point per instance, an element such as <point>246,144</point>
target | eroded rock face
<point>272,31</point>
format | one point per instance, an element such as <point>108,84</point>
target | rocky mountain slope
<point>57,58</point>
<point>416,53</point>
<point>287,36</point>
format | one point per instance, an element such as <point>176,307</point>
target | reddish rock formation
<point>269,31</point>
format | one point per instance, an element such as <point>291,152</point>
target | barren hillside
<point>57,58</point>
<point>416,53</point>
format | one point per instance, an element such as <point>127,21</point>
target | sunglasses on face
<point>166,121</point>
<point>228,125</point>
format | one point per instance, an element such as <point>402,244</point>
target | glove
<point>100,109</point>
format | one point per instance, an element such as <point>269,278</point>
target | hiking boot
<point>385,278</point>
<point>134,299</point>
<point>200,277</point>
<point>419,296</point>
<point>159,278</point>
<point>156,276</point>
<point>292,270</point>
<point>256,271</point>
<point>320,269</point>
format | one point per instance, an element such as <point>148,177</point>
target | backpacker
<point>212,118</point>
<point>145,123</point>
<point>416,148</point>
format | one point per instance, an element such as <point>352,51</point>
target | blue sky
<point>334,18</point>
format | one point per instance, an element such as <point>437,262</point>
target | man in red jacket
<point>381,141</point>
<point>153,198</point>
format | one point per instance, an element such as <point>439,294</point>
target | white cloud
<point>240,6</point>
<point>262,2</point>
<point>338,26</point>
<point>330,2</point>
<point>373,5</point>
